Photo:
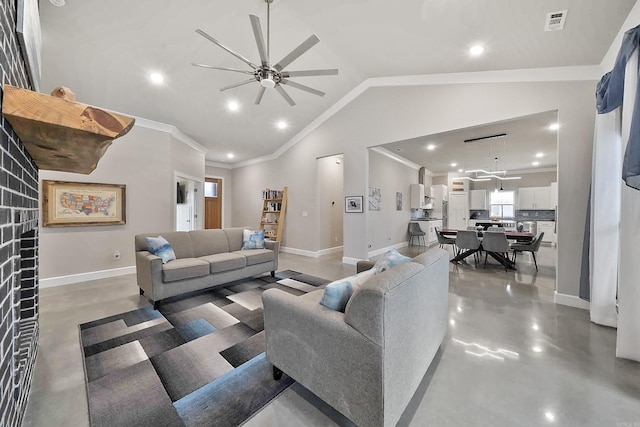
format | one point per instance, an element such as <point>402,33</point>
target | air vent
<point>555,20</point>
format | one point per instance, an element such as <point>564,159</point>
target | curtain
<point>628,340</point>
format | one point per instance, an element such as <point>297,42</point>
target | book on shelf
<point>272,194</point>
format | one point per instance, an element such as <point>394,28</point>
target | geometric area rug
<point>196,361</point>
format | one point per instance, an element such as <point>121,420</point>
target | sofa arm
<point>148,273</point>
<point>272,244</point>
<point>313,345</point>
<point>364,265</point>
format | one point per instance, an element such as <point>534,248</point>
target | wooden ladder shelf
<point>274,208</point>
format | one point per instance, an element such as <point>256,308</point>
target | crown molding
<point>172,130</point>
<point>383,151</point>
<point>217,164</point>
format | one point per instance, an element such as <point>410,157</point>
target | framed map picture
<point>67,204</point>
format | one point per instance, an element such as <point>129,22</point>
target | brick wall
<point>18,242</point>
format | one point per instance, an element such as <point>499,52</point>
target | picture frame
<point>30,38</point>
<point>353,204</point>
<point>375,199</point>
<point>75,204</point>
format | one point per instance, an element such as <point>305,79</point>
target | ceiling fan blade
<point>246,82</point>
<point>285,95</point>
<point>301,87</point>
<point>308,73</point>
<point>257,32</point>
<point>295,53</point>
<point>260,94</point>
<point>222,68</point>
<point>237,55</point>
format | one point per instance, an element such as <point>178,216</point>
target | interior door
<point>213,203</point>
<point>458,211</point>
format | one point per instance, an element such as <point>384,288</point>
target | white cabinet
<point>548,227</point>
<point>439,193</point>
<point>553,196</point>
<point>478,199</point>
<point>416,196</point>
<point>432,236</point>
<point>534,198</point>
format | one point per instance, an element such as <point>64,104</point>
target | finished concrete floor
<point>511,357</point>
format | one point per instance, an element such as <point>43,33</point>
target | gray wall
<point>143,160</point>
<point>330,201</point>
<point>389,226</point>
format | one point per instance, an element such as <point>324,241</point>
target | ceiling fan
<point>270,76</point>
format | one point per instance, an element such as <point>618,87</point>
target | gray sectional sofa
<point>204,258</point>
<point>368,361</point>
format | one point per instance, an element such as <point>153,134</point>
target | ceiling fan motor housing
<point>268,77</point>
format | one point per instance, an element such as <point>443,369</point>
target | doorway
<point>188,198</point>
<point>458,211</point>
<point>213,203</point>
<point>330,199</point>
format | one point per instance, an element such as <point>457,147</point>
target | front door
<point>213,203</point>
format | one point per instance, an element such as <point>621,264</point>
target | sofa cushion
<point>180,242</point>
<point>224,262</point>
<point>257,256</point>
<point>234,237</point>
<point>208,242</point>
<point>253,239</point>
<point>159,246</point>
<point>390,260</point>
<point>184,268</point>
<point>337,293</point>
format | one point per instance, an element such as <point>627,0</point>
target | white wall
<point>388,226</point>
<point>385,114</point>
<point>143,160</point>
<point>330,207</point>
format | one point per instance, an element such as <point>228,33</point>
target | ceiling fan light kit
<point>270,76</point>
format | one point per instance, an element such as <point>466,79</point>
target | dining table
<point>519,236</point>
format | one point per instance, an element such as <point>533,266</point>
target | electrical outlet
<point>116,255</point>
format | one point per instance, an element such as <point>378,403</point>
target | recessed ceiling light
<point>554,126</point>
<point>550,416</point>
<point>431,147</point>
<point>476,50</point>
<point>453,165</point>
<point>233,106</point>
<point>460,170</point>
<point>156,78</point>
<point>535,163</point>
<point>281,124</point>
<point>537,349</point>
<point>538,155</point>
<point>230,156</point>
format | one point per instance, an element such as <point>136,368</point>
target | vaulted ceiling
<point>105,50</point>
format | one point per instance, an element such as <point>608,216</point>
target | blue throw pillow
<point>390,260</point>
<point>253,239</point>
<point>160,247</point>
<point>337,293</point>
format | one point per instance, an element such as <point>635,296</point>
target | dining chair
<point>444,240</point>
<point>416,231</point>
<point>468,240</point>
<point>495,243</point>
<point>531,246</point>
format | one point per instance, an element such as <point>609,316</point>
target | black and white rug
<point>197,361</point>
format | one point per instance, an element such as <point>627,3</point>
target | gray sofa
<point>204,258</point>
<point>368,361</point>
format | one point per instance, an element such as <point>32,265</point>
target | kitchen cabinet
<point>417,199</point>
<point>432,237</point>
<point>548,227</point>
<point>478,199</point>
<point>534,198</point>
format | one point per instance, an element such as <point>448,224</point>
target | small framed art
<point>353,204</point>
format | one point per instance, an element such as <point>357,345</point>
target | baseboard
<point>85,277</point>
<point>571,301</point>
<point>387,249</point>
<point>350,261</point>
<point>311,254</point>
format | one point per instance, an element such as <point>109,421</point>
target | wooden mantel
<point>62,135</point>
